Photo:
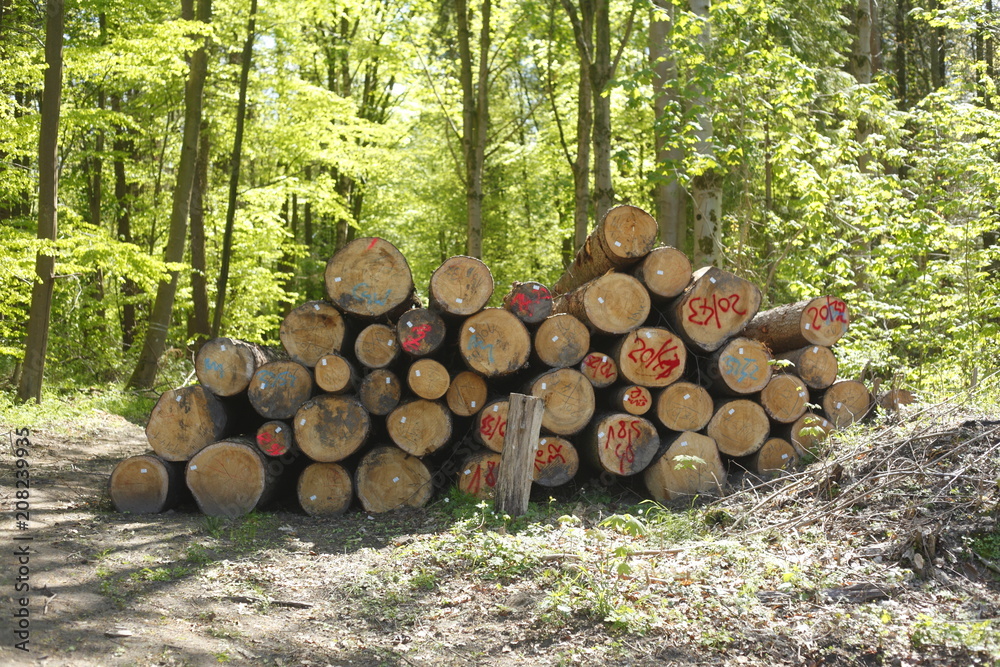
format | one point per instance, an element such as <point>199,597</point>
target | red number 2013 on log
<point>703,312</point>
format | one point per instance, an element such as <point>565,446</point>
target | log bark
<point>650,356</point>
<point>816,365</point>
<point>611,304</point>
<point>420,332</point>
<point>784,398</point>
<point>146,484</point>
<point>620,443</point>
<point>631,398</point>
<point>847,402</point>
<point>665,272</point>
<point>380,391</point>
<point>335,374</point>
<point>225,366</point>
<point>388,478</point>
<point>530,302</point>
<point>714,308</point>
<point>311,331</point>
<point>806,433</point>
<point>556,461</point>
<point>775,455</point>
<point>325,489</point>
<point>739,427</point>
<point>684,406</point>
<point>230,478</point>
<point>467,394</point>
<point>376,346</point>
<point>600,369</point>
<point>516,469</point>
<point>561,341</point>
<point>279,388</point>
<point>740,367</point>
<point>622,238</point>
<point>428,379</point>
<point>821,321</point>
<point>494,343</point>
<point>420,427</point>
<point>330,428</point>
<point>674,475</point>
<point>478,474</point>
<point>275,438</point>
<point>491,425</point>
<point>369,278</point>
<point>568,397</point>
<point>184,421</point>
<point>460,287</point>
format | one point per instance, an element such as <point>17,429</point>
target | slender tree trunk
<point>601,72</point>
<point>159,319</point>
<point>668,195</point>
<point>862,62</point>
<point>902,43</point>
<point>583,30</point>
<point>706,188</point>
<point>124,197</point>
<point>200,326</point>
<point>937,49</point>
<point>234,173</point>
<point>475,120</point>
<point>30,385</point>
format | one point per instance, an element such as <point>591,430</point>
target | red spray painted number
<point>835,310</point>
<point>621,435</point>
<point>491,425</point>
<point>476,482</point>
<point>270,446</point>
<point>703,311</point>
<point>637,397</point>
<point>525,304</point>
<point>548,454</point>
<point>600,366</point>
<point>659,361</point>
<point>412,344</point>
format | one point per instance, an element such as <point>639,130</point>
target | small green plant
<point>160,573</point>
<point>213,526</point>
<point>198,555</point>
<point>976,636</point>
<point>222,656</point>
<point>686,462</point>
<point>423,581</point>
<point>986,545</point>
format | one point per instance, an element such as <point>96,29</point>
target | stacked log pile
<point>647,370</point>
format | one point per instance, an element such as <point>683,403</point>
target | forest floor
<point>886,550</point>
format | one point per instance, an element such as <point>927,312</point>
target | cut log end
<point>775,455</point>
<point>380,391</point>
<point>684,406</point>
<point>330,428</point>
<point>612,304</point>
<point>691,465</point>
<point>739,427</point>
<point>184,421</point>
<point>428,379</point>
<point>808,432</point>
<point>467,394</point>
<point>633,399</point>
<point>600,369</point>
<point>369,278</point>
<point>530,302</point>
<point>620,443</point>
<point>229,478</point>
<point>312,330</point>
<point>816,365</point>
<point>419,427</point>
<point>847,402</point>
<point>741,366</point>
<point>665,272</point>
<point>569,400</point>
<point>145,485</point>
<point>821,321</point>
<point>325,489</point>
<point>561,341</point>
<point>274,438</point>
<point>556,461</point>
<point>491,425</point>
<point>420,332</point>
<point>651,357</point>
<point>225,366</point>
<point>388,478</point>
<point>461,286</point>
<point>376,346</point>
<point>478,474</point>
<point>785,398</point>
<point>278,389</point>
<point>715,307</point>
<point>335,374</point>
<point>494,343</point>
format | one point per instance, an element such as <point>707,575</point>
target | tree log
<point>631,398</point>
<point>325,489</point>
<point>146,484</point>
<point>420,427</point>
<point>784,398</point>
<point>714,308</point>
<point>494,343</point>
<point>478,475</point>
<point>569,400</point>
<point>529,302</point>
<point>380,391</point>
<point>739,427</point>
<point>279,388</point>
<point>774,455</point>
<point>650,356</point>
<point>665,272</point>
<point>600,369</point>
<point>611,304</point>
<point>428,379</point>
<point>892,400</point>
<point>312,330</point>
<point>461,286</point>
<point>369,278</point>
<point>420,332</point>
<point>816,365</point>
<point>684,406</point>
<point>330,428</point>
<point>741,366</point>
<point>274,438</point>
<point>335,374</point>
<point>622,238</point>
<point>467,394</point>
<point>376,346</point>
<point>225,366</point>
<point>517,468</point>
<point>847,402</point>
<point>561,341</point>
<point>491,425</point>
<point>620,443</point>
<point>230,478</point>
<point>184,421</point>
<point>556,461</point>
<point>807,432</point>
<point>821,321</point>
<point>388,478</point>
<point>674,475</point>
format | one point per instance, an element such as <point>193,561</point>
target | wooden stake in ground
<point>806,433</point>
<point>784,398</point>
<point>229,478</point>
<point>691,465</point>
<point>225,366</point>
<point>775,455</point>
<point>313,329</point>
<point>478,474</point>
<point>815,364</point>
<point>274,438</point>
<point>631,398</point>
<point>388,478</point>
<point>821,321</point>
<point>610,305</point>
<point>524,423</point>
<point>684,406</point>
<point>568,397</point>
<point>494,343</point>
<point>847,402</point>
<point>600,369</point>
<point>330,428</point>
<point>380,391</point>
<point>467,394</point>
<point>739,427</point>
<point>461,286</point>
<point>428,379</point>
<point>714,308</point>
<point>529,302</point>
<point>185,420</point>
<point>146,484</point>
<point>325,489</point>
<point>369,278</point>
<point>376,346</point>
<point>335,374</point>
<point>665,272</point>
<point>278,389</point>
<point>556,461</point>
<point>561,341</point>
<point>620,443</point>
<point>491,425</point>
<point>741,366</point>
<point>419,427</point>
<point>420,332</point>
<point>623,237</point>
<point>650,356</point>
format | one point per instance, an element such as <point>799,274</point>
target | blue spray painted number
<point>213,366</point>
<point>282,379</point>
<point>477,343</point>
<point>363,292</point>
<point>744,370</point>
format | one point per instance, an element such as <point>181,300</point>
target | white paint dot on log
<point>390,342</point>
<point>302,422</point>
<point>496,408</point>
<point>468,472</point>
<point>604,360</point>
<point>711,280</point>
<point>277,430</point>
<point>315,306</point>
<point>625,400</point>
<point>731,411</point>
<point>802,394</point>
<point>555,338</point>
<point>601,434</point>
<point>687,396</point>
<point>472,330</point>
<point>458,300</point>
<point>618,244</point>
<point>825,423</point>
<point>741,350</point>
<point>684,444</point>
<point>395,480</point>
<point>323,361</point>
<point>409,324</point>
<point>388,380</point>
<point>143,471</point>
<point>178,399</point>
<point>808,325</point>
<point>417,373</point>
<point>600,299</point>
<point>194,467</point>
<point>222,347</point>
<point>542,441</point>
<point>660,272</point>
<point>840,405</point>
<point>784,456</point>
<point>816,350</point>
<point>263,385</point>
<point>402,420</point>
<point>544,386</point>
<point>312,497</point>
<point>337,279</point>
<point>536,287</point>
<point>472,404</point>
<point>649,334</point>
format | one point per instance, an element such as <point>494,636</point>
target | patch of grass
<point>224,633</point>
<point>76,404</point>
<point>198,555</point>
<point>423,581</point>
<point>987,545</point>
<point>160,573</point>
<point>978,636</point>
<point>222,656</point>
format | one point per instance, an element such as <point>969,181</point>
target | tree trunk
<point>230,478</point>
<point>388,478</point>
<point>325,489</point>
<point>380,391</point>
<point>684,406</point>
<point>937,50</point>
<point>816,365</point>
<point>679,472</point>
<point>612,304</point>
<point>275,438</point>
<point>583,31</point>
<point>30,386</point>
<point>201,326</point>
<point>569,400</point>
<point>376,346</point>
<point>530,302</point>
<point>460,287</point>
<point>739,427</point>
<point>785,398</point>
<point>335,374</point>
<point>668,195</point>
<point>467,394</point>
<point>651,357</point>
<point>820,321</point>
<point>420,427</point>
<point>420,331</point>
<point>279,388</point>
<point>146,485</point>
<point>494,343</point>
<point>600,369</point>
<point>491,425</point>
<point>369,278</point>
<point>225,366</point>
<point>159,320</point>
<point>556,461</point>
<point>714,308</point>
<point>741,366</point>
<point>902,44</point>
<point>185,420</point>
<point>601,73</point>
<point>311,331</point>
<point>561,341</point>
<point>428,379</point>
<point>620,443</point>
<point>706,187</point>
<point>665,272</point>
<point>125,195</point>
<point>330,428</point>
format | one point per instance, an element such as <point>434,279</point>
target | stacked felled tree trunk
<point>643,366</point>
